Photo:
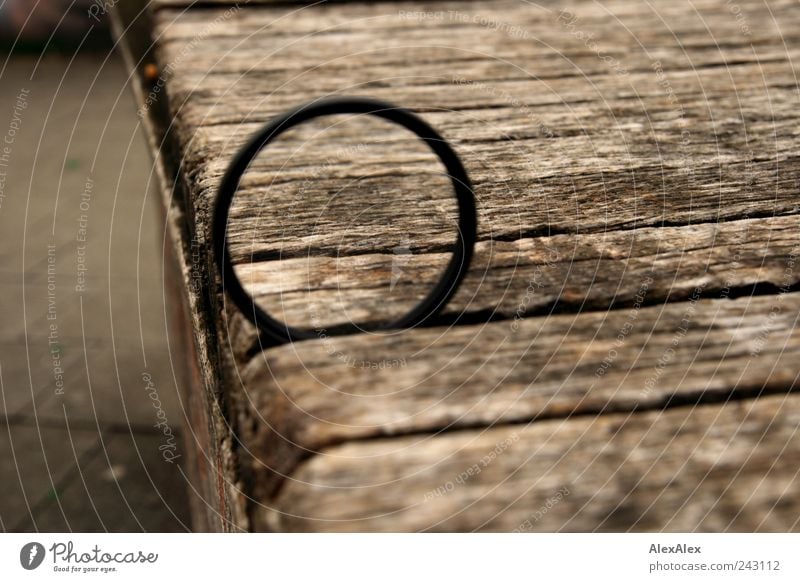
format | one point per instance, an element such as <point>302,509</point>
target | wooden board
<point>731,467</point>
<point>534,276</point>
<point>618,158</point>
<point>305,398</point>
<point>637,185</point>
<point>554,143</point>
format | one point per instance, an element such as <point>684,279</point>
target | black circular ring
<point>279,332</point>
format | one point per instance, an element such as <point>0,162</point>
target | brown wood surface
<point>638,243</point>
<point>536,275</point>
<point>437,380</point>
<point>731,467</point>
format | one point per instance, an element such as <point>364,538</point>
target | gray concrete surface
<point>88,394</point>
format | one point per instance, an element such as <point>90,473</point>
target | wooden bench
<point>622,354</point>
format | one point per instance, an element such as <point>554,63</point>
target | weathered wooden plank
<point>340,11</point>
<point>622,166</point>
<point>729,467</point>
<point>553,141</point>
<point>599,171</point>
<point>617,157</point>
<point>302,398</point>
<point>356,208</point>
<point>603,124</point>
<point>518,278</point>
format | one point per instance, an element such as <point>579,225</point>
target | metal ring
<point>278,332</point>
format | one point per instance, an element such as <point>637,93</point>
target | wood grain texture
<point>302,398</point>
<point>556,142</point>
<point>729,467</point>
<point>624,155</point>
<point>533,276</point>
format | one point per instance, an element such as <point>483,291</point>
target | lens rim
<point>277,331</point>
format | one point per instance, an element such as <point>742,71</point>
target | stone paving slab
<point>116,387</point>
<point>34,462</point>
<point>127,486</point>
<point>80,224</point>
<point>27,373</point>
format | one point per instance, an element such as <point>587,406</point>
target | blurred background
<point>90,437</point>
